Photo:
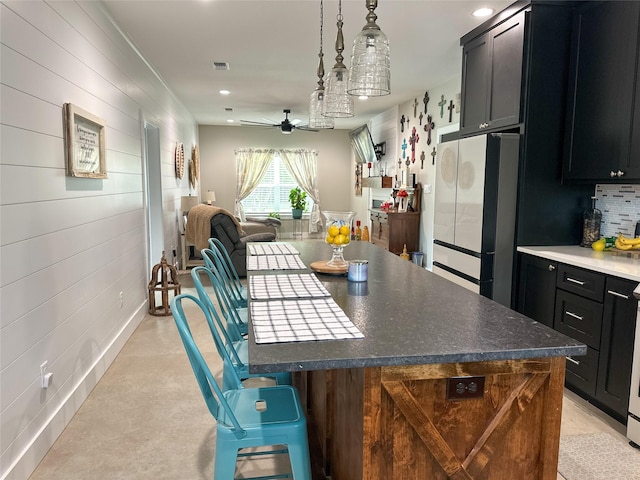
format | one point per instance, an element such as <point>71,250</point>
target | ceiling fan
<point>286,126</point>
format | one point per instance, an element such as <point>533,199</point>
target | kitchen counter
<point>410,316</point>
<point>603,262</point>
<point>445,383</point>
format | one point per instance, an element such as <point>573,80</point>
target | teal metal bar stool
<point>237,291</point>
<point>237,318</point>
<point>234,352</point>
<point>247,417</point>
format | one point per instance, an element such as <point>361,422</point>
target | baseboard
<point>24,465</point>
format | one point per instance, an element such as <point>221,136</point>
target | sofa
<point>224,228</point>
<point>206,221</point>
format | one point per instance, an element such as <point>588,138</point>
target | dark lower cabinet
<point>616,345</point>
<point>537,288</point>
<point>592,308</point>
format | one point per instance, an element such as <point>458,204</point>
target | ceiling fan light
<point>316,119</point>
<point>370,73</point>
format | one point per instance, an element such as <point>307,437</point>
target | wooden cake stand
<point>322,267</point>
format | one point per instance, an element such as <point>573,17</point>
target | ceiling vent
<point>221,65</point>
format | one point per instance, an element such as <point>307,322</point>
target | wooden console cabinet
<point>392,230</point>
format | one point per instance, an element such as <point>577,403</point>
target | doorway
<point>153,195</point>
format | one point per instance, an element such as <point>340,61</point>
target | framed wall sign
<point>84,143</point>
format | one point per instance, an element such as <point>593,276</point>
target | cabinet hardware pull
<point>578,317</point>
<point>621,295</point>
<point>573,361</point>
<point>620,174</point>
<point>613,174</point>
<point>552,267</point>
<point>573,280</point>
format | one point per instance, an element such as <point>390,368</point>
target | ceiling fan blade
<point>306,128</point>
<point>251,122</point>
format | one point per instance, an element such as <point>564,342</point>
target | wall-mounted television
<point>362,144</point>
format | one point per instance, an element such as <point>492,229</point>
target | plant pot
<point>296,213</point>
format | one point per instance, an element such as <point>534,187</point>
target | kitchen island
<point>444,384</point>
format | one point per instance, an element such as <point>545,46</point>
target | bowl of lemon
<point>338,235</point>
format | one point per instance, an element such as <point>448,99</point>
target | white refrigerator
<point>475,198</point>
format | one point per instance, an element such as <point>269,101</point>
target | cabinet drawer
<point>582,282</point>
<point>582,371</point>
<point>579,318</point>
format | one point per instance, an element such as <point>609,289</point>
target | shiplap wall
<point>69,246</point>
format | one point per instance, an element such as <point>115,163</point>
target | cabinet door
<point>537,288</point>
<point>475,75</point>
<point>505,85</point>
<point>602,75</point>
<point>632,166</point>
<point>616,346</point>
<point>492,77</point>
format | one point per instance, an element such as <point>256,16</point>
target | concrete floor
<point>146,418</point>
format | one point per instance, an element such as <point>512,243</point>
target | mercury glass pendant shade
<point>370,73</point>
<point>316,119</point>
<point>337,102</point>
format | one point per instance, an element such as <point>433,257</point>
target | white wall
<point>69,246</point>
<point>335,160</point>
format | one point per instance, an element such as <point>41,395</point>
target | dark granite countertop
<point>409,316</point>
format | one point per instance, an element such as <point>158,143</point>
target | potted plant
<point>298,200</point>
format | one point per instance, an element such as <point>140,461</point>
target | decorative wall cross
<point>433,156</point>
<point>413,139</point>
<point>415,107</point>
<point>420,116</point>
<point>404,147</point>
<point>402,120</point>
<point>399,163</point>
<point>428,127</point>
<point>441,104</point>
<point>425,100</point>
<point>450,108</point>
<point>422,160</point>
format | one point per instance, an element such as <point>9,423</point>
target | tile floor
<point>146,419</point>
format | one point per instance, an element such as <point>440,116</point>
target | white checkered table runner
<point>297,285</point>
<point>278,321</point>
<point>275,262</point>
<point>271,248</point>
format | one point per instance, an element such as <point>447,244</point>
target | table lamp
<point>209,197</point>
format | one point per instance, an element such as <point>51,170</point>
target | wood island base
<point>399,422</point>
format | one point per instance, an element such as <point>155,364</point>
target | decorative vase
<point>338,230</point>
<point>296,213</point>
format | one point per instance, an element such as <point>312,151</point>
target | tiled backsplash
<point>620,207</point>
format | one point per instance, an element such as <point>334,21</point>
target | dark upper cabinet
<point>616,345</point>
<point>492,77</point>
<point>602,139</point>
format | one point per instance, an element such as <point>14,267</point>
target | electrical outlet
<point>121,299</point>
<point>459,388</point>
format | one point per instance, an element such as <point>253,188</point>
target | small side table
<point>187,260</point>
<point>296,228</point>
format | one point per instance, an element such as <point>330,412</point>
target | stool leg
<point>226,459</point>
<point>299,458</point>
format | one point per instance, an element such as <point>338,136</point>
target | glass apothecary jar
<point>591,221</point>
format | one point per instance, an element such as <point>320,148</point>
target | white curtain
<point>251,166</point>
<point>303,165</point>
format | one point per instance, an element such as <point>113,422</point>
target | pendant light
<point>316,119</point>
<point>337,102</point>
<point>370,67</point>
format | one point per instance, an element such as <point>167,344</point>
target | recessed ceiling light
<point>482,12</point>
<point>224,92</point>
<point>229,120</point>
<point>362,97</point>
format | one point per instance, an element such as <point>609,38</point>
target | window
<point>272,194</point>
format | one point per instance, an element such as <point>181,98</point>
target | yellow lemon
<point>333,230</point>
<point>339,240</point>
<point>344,230</point>
<point>599,245</point>
<point>329,239</point>
<point>347,240</point>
